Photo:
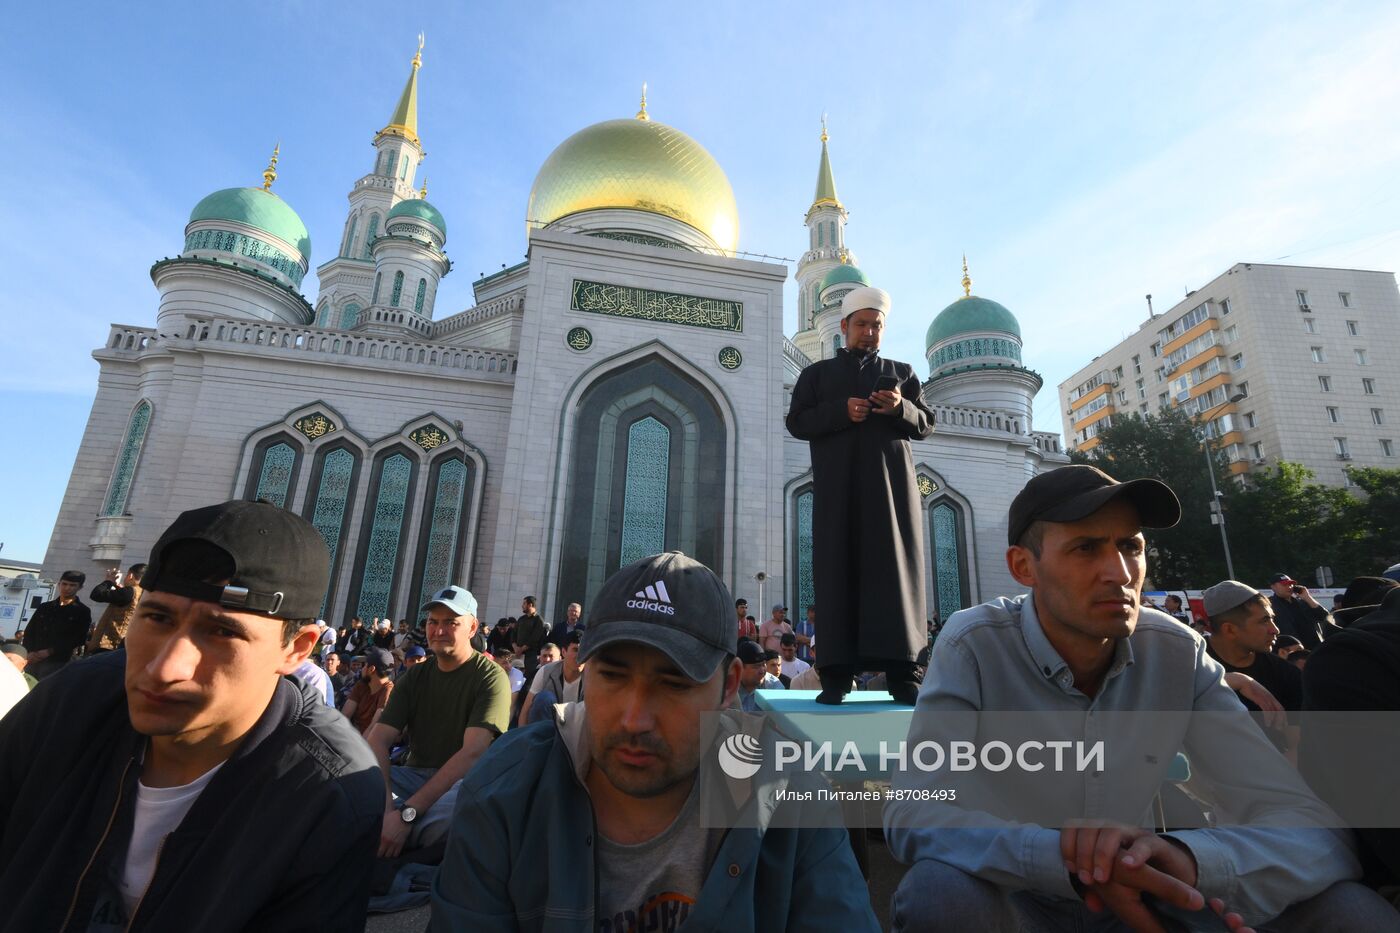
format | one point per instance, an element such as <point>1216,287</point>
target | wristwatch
<point>407,814</point>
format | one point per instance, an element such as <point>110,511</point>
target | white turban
<point>867,296</point>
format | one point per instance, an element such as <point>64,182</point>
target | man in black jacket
<point>1297,613</point>
<point>184,782</point>
<point>58,627</point>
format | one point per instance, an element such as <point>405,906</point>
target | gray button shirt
<point>996,658</point>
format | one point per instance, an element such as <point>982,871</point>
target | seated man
<point>792,665</point>
<point>1080,648</point>
<point>556,682</point>
<point>1242,637</point>
<point>18,655</point>
<point>186,783</point>
<point>593,822</point>
<point>753,671</point>
<point>368,698</point>
<point>452,708</point>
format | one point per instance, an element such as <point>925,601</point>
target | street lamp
<point>1217,514</point>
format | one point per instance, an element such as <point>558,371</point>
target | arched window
<point>644,490</point>
<point>821,235</point>
<point>349,248</point>
<point>833,233</point>
<point>947,534</point>
<point>835,343</point>
<point>403,168</point>
<point>350,316</point>
<point>274,471</point>
<point>805,590</point>
<point>374,299</point>
<point>382,534</point>
<point>370,235</point>
<point>332,480</point>
<point>422,294</point>
<point>119,488</point>
<point>384,162</point>
<point>444,529</point>
<point>398,288</point>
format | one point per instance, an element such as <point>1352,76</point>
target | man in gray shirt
<point>1081,646</point>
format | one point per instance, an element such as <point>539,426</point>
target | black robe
<point>867,524</point>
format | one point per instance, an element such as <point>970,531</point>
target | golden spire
<point>423,191</point>
<point>418,55</point>
<point>966,280</point>
<point>824,136</point>
<point>642,114</point>
<point>404,121</point>
<point>270,173</point>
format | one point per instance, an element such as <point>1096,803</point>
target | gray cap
<point>669,602</point>
<point>1227,595</point>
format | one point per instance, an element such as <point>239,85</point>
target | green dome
<point>256,208</point>
<point>420,208</point>
<point>971,315</point>
<point>843,273</point>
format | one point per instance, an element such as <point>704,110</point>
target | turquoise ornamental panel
<point>332,493</point>
<point>378,277</point>
<point>225,241</point>
<point>350,236</point>
<point>422,294</point>
<point>398,289</point>
<point>806,594</point>
<point>350,316</point>
<point>369,237</point>
<point>647,305</point>
<point>947,560</point>
<point>275,478</point>
<point>644,497</point>
<point>382,549</point>
<point>127,459</point>
<point>446,521</point>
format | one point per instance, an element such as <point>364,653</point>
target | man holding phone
<point>859,411</point>
<point>1297,613</point>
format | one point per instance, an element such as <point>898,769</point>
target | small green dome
<point>420,208</point>
<point>971,315</point>
<point>256,208</point>
<point>843,273</point>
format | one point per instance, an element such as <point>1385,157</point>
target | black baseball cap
<point>380,658</point>
<point>669,602</point>
<point>281,564</point>
<point>751,652</point>
<point>1078,491</point>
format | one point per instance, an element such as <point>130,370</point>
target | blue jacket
<point>520,853</point>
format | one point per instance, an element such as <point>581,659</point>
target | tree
<point>1288,524</point>
<point>1167,446</point>
<point>1379,517</point>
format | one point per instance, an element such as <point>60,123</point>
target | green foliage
<point>1281,521</point>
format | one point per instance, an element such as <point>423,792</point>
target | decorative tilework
<point>130,455</point>
<point>578,338</point>
<point>382,548</point>
<point>947,559</point>
<point>275,478</point>
<point>730,358</point>
<point>647,305</point>
<point>315,425</point>
<point>644,496</point>
<point>446,521</point>
<point>429,437</point>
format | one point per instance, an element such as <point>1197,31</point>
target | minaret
<point>826,252</point>
<point>347,281</point>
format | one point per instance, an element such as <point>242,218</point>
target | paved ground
<point>885,873</point>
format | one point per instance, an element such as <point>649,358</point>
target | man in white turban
<point>859,411</point>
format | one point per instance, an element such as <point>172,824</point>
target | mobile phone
<point>1203,919</point>
<point>1297,589</point>
<point>886,384</point>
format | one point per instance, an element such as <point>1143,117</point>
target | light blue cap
<point>459,600</point>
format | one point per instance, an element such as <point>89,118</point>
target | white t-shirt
<point>159,811</point>
<point>517,679</point>
<point>552,674</point>
<point>794,667</point>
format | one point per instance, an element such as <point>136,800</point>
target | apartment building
<point>1298,363</point>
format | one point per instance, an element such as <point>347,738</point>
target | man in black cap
<point>58,627</point>
<point>1081,648</point>
<point>859,411</point>
<point>185,782</point>
<point>595,818</point>
<point>1242,639</point>
<point>1297,613</point>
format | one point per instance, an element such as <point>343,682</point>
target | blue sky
<point>1083,155</point>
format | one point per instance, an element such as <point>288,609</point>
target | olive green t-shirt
<point>437,708</point>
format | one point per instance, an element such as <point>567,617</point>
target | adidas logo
<point>654,598</point>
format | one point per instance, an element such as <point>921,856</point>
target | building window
<point>1360,356</point>
<point>403,168</point>
<point>1310,325</point>
<point>949,565</point>
<point>1225,306</point>
<point>1257,449</point>
<point>1387,448</point>
<point>1137,366</point>
<point>1237,361</point>
<point>398,289</point>
<point>130,454</point>
<point>384,528</point>
<point>1317,355</point>
<point>1334,414</point>
<point>1352,329</point>
<point>1368,386</point>
<point>1157,349</point>
<point>349,246</point>
<point>1345,299</point>
<point>806,593</point>
<point>1243,388</point>
<point>645,490</point>
<point>370,235</point>
<point>274,472</point>
<point>1343,451</point>
<point>1163,400</point>
<point>440,550</point>
<point>1377,416</point>
<point>374,299</point>
<point>1324,383</point>
<point>1249,420</point>
<point>1232,333</point>
<point>1302,299</point>
<point>333,478</point>
<point>422,294</point>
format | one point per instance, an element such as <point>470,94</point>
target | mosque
<point>619,393</point>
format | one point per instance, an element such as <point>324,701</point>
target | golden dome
<point>636,165</point>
